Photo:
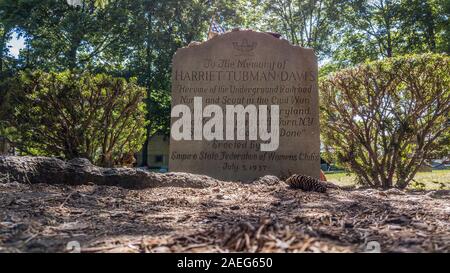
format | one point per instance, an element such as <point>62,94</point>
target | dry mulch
<point>227,217</point>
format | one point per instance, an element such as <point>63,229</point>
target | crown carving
<point>244,46</point>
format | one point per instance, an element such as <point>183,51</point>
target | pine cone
<point>306,183</point>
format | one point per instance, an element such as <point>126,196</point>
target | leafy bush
<point>76,115</point>
<point>383,119</point>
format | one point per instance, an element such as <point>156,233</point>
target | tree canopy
<point>137,38</point>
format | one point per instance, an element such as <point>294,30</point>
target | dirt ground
<point>227,217</point>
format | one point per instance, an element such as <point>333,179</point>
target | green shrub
<point>381,120</point>
<point>73,115</point>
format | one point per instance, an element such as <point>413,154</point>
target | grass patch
<point>435,180</point>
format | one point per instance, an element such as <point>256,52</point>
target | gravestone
<point>258,72</point>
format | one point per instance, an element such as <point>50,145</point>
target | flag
<point>215,29</point>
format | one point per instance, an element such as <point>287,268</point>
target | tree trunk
<point>2,49</point>
<point>149,85</point>
<point>430,29</point>
<point>389,40</point>
<point>107,160</point>
<point>72,53</point>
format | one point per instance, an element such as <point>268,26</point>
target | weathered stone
<point>247,68</point>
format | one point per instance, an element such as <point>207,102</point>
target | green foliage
<point>386,28</point>
<point>417,185</point>
<point>76,115</point>
<point>137,38</point>
<point>125,38</point>
<point>383,119</point>
<point>160,112</point>
<point>305,23</point>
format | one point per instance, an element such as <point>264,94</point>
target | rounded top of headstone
<point>246,41</point>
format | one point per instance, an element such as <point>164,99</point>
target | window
<point>159,158</point>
